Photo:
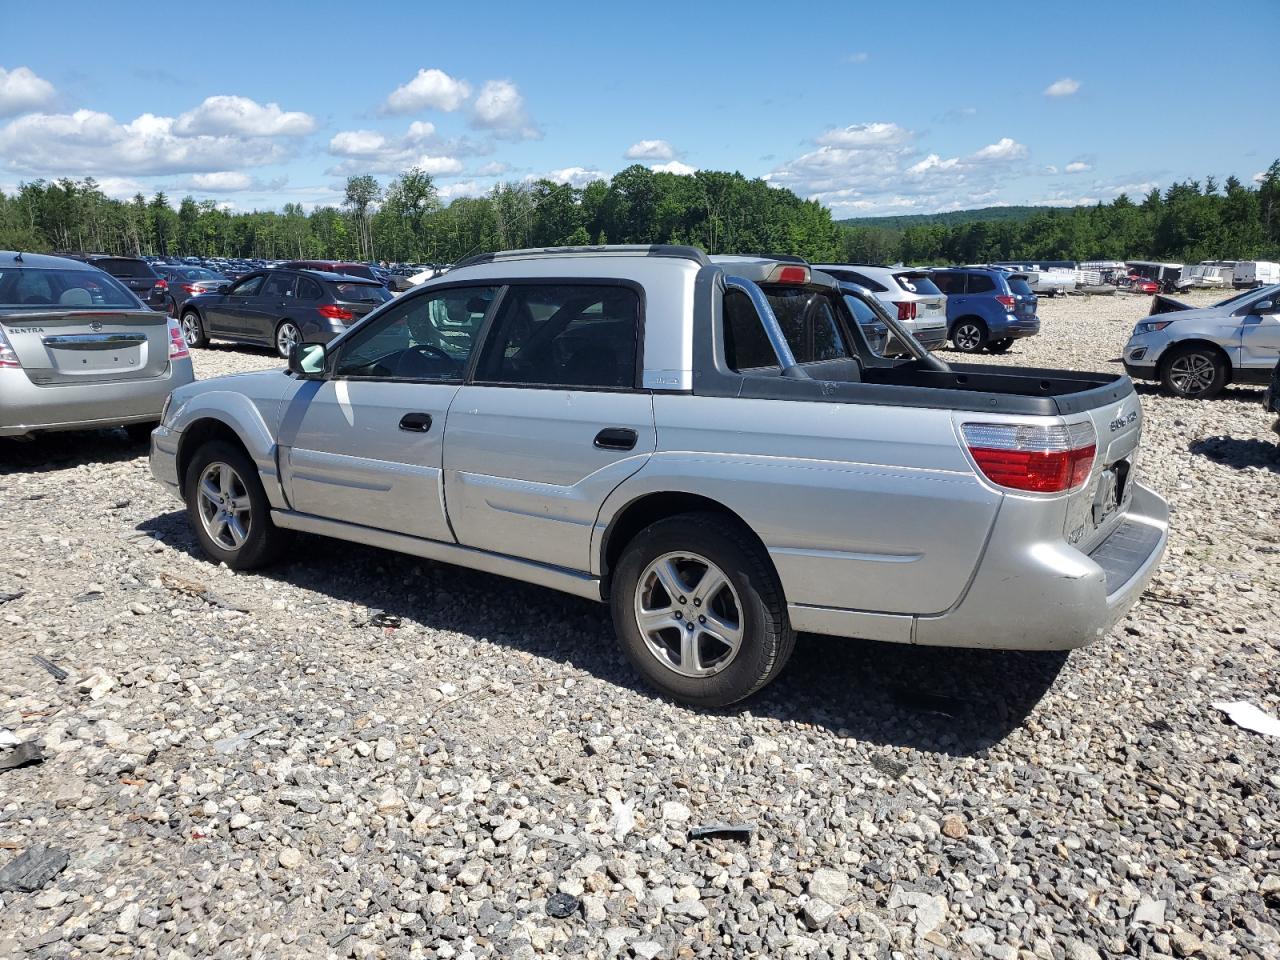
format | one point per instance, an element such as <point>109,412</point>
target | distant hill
<point>949,219</point>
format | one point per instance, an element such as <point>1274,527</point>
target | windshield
<point>1266,291</point>
<point>34,287</point>
<point>1021,287</point>
<point>920,283</point>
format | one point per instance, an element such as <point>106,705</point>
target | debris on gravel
<point>361,754</point>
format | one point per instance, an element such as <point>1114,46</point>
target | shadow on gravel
<point>1246,394</point>
<point>58,451</point>
<point>1239,452</point>
<point>956,702</point>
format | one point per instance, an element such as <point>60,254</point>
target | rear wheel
<point>193,329</point>
<point>1000,346</point>
<point>287,337</point>
<point>969,336</point>
<point>699,611</point>
<point>1194,372</point>
<point>228,508</point>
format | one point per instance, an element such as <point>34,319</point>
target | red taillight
<point>177,342</point>
<point>906,310</point>
<point>191,288</point>
<point>162,284</point>
<point>1048,459</point>
<point>792,275</point>
<point>8,357</point>
<point>1006,301</point>
<point>332,311</point>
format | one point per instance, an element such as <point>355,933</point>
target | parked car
<point>1137,284</point>
<point>708,445</point>
<point>1255,273</point>
<point>1165,275</point>
<point>987,308</point>
<point>1194,353</point>
<point>185,282</point>
<point>135,273</point>
<point>280,308</point>
<point>78,350</point>
<point>363,270</point>
<point>1271,398</point>
<point>909,294</point>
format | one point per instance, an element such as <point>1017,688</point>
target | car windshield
<point>920,283</point>
<point>35,287</point>
<point>362,292</point>
<point>1242,296</point>
<point>1020,286</point>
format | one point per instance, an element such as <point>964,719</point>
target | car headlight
<point>1150,326</point>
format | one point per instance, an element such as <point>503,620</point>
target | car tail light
<point>332,311</point>
<point>177,342</point>
<point>162,284</point>
<point>191,288</point>
<point>8,358</point>
<point>906,310</point>
<point>1007,302</point>
<point>1041,459</point>
<point>789,273</point>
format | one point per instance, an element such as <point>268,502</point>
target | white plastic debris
<point>1245,714</point>
<point>7,739</point>
<point>624,816</point>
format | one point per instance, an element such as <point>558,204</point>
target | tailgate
<point>83,346</point>
<point>1095,509</point>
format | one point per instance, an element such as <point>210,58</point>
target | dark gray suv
<point>279,308</point>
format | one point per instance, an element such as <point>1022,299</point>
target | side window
<point>980,283</point>
<point>247,287</point>
<point>425,337</point>
<point>745,344</point>
<point>569,335</point>
<point>946,282</point>
<point>308,289</point>
<point>279,286</point>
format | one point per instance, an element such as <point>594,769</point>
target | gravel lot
<point>247,766</point>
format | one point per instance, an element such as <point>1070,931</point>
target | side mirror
<point>1264,306</point>
<point>307,360</point>
<point>224,288</point>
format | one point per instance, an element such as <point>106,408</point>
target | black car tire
<point>969,335</point>
<point>767,637</point>
<point>264,541</point>
<point>193,329</point>
<point>1000,346</point>
<point>1194,372</point>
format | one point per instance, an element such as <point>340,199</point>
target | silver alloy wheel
<point>968,336</point>
<point>1192,373</point>
<point>689,614</point>
<point>286,338</point>
<point>190,328</point>
<point>223,500</point>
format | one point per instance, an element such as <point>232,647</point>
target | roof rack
<point>619,249</point>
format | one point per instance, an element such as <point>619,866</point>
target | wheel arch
<point>1197,342</point>
<point>196,435</point>
<point>951,329</point>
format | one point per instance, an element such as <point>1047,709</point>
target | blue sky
<point>870,108</point>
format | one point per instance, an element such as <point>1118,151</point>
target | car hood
<point>257,384</point>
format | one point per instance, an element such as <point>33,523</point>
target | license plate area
<point>1114,491</point>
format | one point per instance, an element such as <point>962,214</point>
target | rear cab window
<point>808,321</point>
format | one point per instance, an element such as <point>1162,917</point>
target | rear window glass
<point>917,283</point>
<point>1019,286</point>
<point>29,287</point>
<point>853,276</point>
<point>362,292</point>
<point>124,267</point>
<point>197,273</point>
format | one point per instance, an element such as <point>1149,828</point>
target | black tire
<point>1000,346</point>
<point>969,335</point>
<point>767,640</point>
<point>1194,372</point>
<point>282,336</point>
<point>193,329</point>
<point>263,541</point>
<point>140,432</point>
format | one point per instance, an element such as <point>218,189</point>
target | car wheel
<point>228,508</point>
<point>1000,346</point>
<point>193,329</point>
<point>969,336</point>
<point>699,611</point>
<point>1194,372</point>
<point>287,337</point>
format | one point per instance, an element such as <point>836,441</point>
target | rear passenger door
<point>553,421</point>
<point>275,302</point>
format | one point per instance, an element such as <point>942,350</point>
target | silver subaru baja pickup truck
<point>709,445</point>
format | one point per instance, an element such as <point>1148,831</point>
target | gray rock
<point>32,869</point>
<point>829,885</point>
<point>818,913</point>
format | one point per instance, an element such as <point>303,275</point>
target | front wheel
<point>1000,346</point>
<point>699,611</point>
<point>193,329</point>
<point>969,336</point>
<point>1194,373</point>
<point>287,337</point>
<point>228,508</point>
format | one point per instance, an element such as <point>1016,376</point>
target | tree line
<point>406,222</point>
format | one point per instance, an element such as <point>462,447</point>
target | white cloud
<point>368,151</point>
<point>1077,166</point>
<point>573,176</point>
<point>499,108</point>
<point>494,169</point>
<point>676,167</point>
<point>1062,88</point>
<point>222,181</point>
<point>650,150</point>
<point>430,90</point>
<point>91,143</point>
<point>865,135</point>
<point>242,117</point>
<point>860,57</point>
<point>21,90</point>
<point>1002,151</point>
<point>463,188</point>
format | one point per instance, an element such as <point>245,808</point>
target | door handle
<point>616,438</point>
<point>416,422</point>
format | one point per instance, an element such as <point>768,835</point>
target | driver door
<point>1260,336</point>
<point>365,445</point>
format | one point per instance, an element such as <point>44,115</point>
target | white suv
<point>910,295</point>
